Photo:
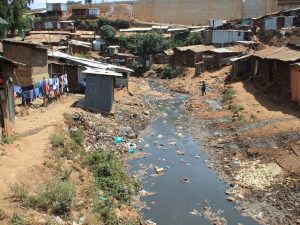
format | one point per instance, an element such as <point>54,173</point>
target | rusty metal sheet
<point>282,54</point>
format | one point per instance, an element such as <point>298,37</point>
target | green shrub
<point>57,140</point>
<point>57,197</point>
<point>172,72</point>
<point>228,95</point>
<point>105,209</point>
<point>78,136</point>
<point>108,32</point>
<point>111,175</point>
<point>194,39</point>
<point>16,220</point>
<point>7,140</point>
<point>237,108</point>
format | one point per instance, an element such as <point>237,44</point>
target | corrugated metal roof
<point>177,29</point>
<point>101,72</point>
<point>49,32</point>
<point>81,43</point>
<point>282,54</point>
<point>46,38</point>
<point>196,48</point>
<point>239,58</point>
<point>169,52</point>
<point>136,29</point>
<point>89,62</point>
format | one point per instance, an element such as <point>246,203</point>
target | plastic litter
<point>185,180</point>
<point>132,150</point>
<point>179,153</point>
<point>159,170</point>
<point>119,140</point>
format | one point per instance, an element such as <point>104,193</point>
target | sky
<point>38,4</point>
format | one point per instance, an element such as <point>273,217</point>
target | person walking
<point>203,88</point>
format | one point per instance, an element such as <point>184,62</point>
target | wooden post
<point>45,98</point>
<point>7,69</point>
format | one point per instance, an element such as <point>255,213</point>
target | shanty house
<point>125,72</point>
<point>272,68</point>
<point>84,13</point>
<point>7,103</point>
<point>275,23</point>
<point>33,56</point>
<point>224,36</point>
<point>295,83</point>
<point>56,9</point>
<point>165,57</point>
<point>99,91</point>
<point>190,55</point>
<point>74,73</point>
<point>218,57</point>
<point>80,46</point>
<point>241,67</point>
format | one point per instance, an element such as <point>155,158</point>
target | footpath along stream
<point>187,185</point>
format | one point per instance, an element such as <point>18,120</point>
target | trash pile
<point>258,176</point>
<point>114,133</point>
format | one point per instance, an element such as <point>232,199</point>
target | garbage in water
<point>185,180</point>
<point>146,146</point>
<point>119,140</point>
<point>160,136</point>
<point>179,152</point>
<point>159,170</point>
<point>195,212</point>
<point>172,142</point>
<point>144,193</point>
<point>149,222</point>
<point>179,135</point>
<point>197,156</point>
<point>183,161</point>
<point>161,159</point>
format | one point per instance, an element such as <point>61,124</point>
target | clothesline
<point>48,87</point>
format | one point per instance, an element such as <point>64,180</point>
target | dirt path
<point>23,160</point>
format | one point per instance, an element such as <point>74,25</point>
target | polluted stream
<point>186,185</point>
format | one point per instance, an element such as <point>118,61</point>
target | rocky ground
<point>253,143</point>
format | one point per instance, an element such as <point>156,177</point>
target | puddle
<point>186,184</point>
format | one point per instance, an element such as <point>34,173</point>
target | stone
<point>159,170</point>
<point>230,199</point>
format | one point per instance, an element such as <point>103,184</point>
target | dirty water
<point>187,184</point>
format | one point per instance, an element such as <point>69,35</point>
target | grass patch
<point>111,176</point>
<point>242,119</point>
<point>237,108</point>
<point>228,95</point>
<point>16,220</point>
<point>78,136</point>
<point>56,197</point>
<point>57,140</point>
<point>7,140</point>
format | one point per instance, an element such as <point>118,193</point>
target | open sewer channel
<point>174,200</point>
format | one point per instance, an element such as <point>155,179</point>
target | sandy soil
<point>23,160</point>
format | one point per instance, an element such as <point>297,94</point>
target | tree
<point>152,43</point>
<point>108,32</point>
<point>88,1</point>
<point>12,12</point>
<point>194,39</point>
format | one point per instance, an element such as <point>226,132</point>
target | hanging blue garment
<point>36,92</point>
<point>17,89</point>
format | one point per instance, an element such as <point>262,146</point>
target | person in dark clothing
<point>203,88</point>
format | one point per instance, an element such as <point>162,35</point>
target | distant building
<point>57,10</point>
<point>34,58</point>
<point>224,36</point>
<point>85,13</point>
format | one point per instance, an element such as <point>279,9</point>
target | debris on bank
<point>258,176</point>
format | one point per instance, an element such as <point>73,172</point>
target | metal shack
<point>272,68</point>
<point>99,91</point>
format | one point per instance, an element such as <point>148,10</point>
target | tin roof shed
<point>283,54</point>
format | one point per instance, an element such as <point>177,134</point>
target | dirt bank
<point>32,159</point>
<point>252,141</point>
